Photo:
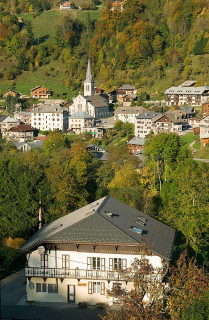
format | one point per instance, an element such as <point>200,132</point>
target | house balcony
<point>73,274</point>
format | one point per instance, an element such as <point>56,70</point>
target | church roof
<point>81,115</point>
<point>97,101</point>
<point>88,73</point>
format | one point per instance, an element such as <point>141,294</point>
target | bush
<point>100,305</point>
<point>82,305</point>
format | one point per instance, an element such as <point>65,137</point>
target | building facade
<point>49,117</point>
<point>40,92</point>
<point>135,145</point>
<point>78,121</point>
<point>204,128</point>
<point>123,91</point>
<point>23,116</point>
<point>128,114</point>
<point>144,123</point>
<point>22,132</point>
<point>78,257</point>
<point>9,123</point>
<point>192,96</point>
<point>171,121</point>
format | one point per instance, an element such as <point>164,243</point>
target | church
<point>94,105</point>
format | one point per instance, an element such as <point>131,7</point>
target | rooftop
<point>81,115</point>
<point>126,87</point>
<point>97,101</point>
<point>187,90</point>
<point>130,110</point>
<point>9,119</point>
<point>22,128</point>
<point>149,115</point>
<point>106,221</point>
<point>49,108</point>
<point>137,141</point>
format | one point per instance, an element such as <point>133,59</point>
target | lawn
<point>202,153</point>
<point>189,138</point>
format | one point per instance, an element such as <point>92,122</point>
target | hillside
<point>150,44</point>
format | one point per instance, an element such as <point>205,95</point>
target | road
<point>13,304</point>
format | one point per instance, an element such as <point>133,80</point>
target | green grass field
<point>189,138</point>
<point>202,153</point>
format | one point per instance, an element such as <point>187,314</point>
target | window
<point>117,263</point>
<point>44,260</point>
<point>41,287</point>
<point>95,263</point>
<point>52,288</point>
<point>96,288</point>
<point>65,261</point>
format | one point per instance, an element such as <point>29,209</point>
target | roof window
<point>137,230</point>
<point>109,214</point>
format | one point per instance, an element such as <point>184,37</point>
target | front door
<point>71,293</point>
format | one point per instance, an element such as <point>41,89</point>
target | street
<point>13,304</point>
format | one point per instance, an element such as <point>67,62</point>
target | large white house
<point>144,123</point>
<point>77,258</point>
<point>192,96</point>
<point>49,117</point>
<point>128,114</point>
<point>95,105</point>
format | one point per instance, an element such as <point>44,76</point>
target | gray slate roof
<point>97,101</point>
<point>90,224</point>
<point>49,108</point>
<point>81,115</point>
<point>149,115</point>
<point>129,110</point>
<point>186,90</point>
<point>126,87</point>
<point>137,141</point>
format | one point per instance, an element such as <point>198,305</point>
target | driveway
<point>13,304</point>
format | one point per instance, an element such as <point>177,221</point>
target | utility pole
<point>40,216</point>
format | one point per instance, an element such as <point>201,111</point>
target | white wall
<point>77,260</point>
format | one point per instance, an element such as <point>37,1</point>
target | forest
<point>170,187</point>
<point>150,44</point>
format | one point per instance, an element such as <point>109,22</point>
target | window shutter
<point>124,263</point>
<point>89,287</point>
<point>102,288</point>
<point>103,264</point>
<point>63,261</point>
<point>46,260</point>
<point>111,264</point>
<point>88,263</point>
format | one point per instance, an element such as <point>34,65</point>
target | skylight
<point>137,230</point>
<point>109,214</point>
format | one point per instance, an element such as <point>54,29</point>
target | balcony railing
<point>73,273</point>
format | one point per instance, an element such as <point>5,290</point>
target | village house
<point>78,121</point>
<point>12,93</point>
<point>194,122</point>
<point>117,5</point>
<point>123,91</point>
<point>95,105</point>
<point>96,132</point>
<point>21,132</point>
<point>192,96</point>
<point>28,146</point>
<point>144,123</point>
<point>9,123</point>
<point>23,116</point>
<point>128,114</point>
<point>49,117</point>
<point>135,145</point>
<point>78,257</point>
<point>204,131</point>
<point>66,5</point>
<point>97,151</point>
<point>40,92</point>
<point>206,109</point>
<point>170,121</point>
<point>127,100</point>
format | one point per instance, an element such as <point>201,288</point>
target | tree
<point>188,283</point>
<point>10,104</point>
<point>55,142</point>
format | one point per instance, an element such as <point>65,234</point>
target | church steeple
<point>89,83</point>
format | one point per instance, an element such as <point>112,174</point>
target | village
<point>95,112</point>
<point>104,152</point>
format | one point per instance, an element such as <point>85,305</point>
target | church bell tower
<point>88,83</point>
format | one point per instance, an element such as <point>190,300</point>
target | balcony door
<point>65,261</point>
<point>71,293</point>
